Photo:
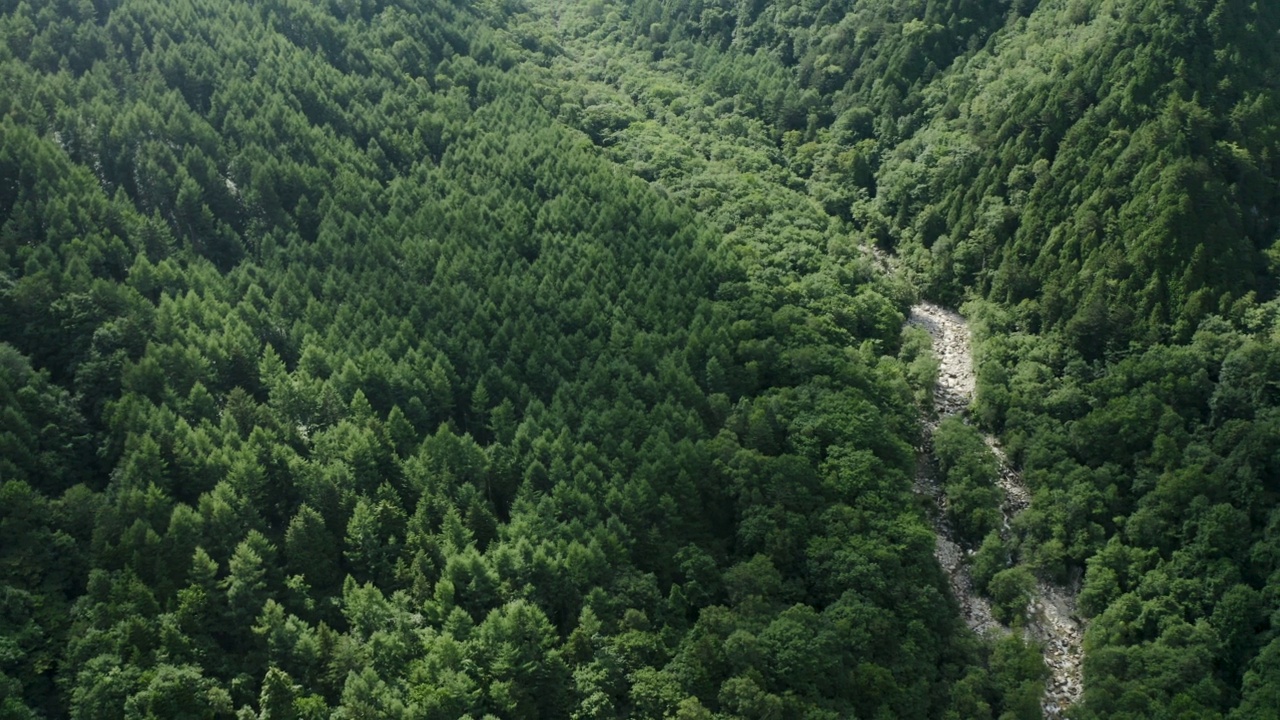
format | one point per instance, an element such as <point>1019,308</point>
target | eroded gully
<point>1051,613</point>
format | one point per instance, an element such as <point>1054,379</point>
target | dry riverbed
<point>1052,620</point>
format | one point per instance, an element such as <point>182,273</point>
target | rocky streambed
<point>1052,621</point>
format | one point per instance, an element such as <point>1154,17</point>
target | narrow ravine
<point>1052,621</point>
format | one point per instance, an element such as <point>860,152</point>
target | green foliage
<point>1010,591</point>
<point>992,557</point>
<point>344,376</point>
<point>1018,671</point>
<point>1102,177</point>
<point>967,470</point>
<point>921,365</point>
<point>444,360</point>
<point>44,440</point>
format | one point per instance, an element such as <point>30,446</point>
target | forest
<point>532,359</point>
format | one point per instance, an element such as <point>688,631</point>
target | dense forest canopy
<point>407,358</point>
<point>342,379</point>
<point>1099,181</point>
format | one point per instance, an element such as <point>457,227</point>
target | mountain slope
<point>341,379</point>
<point>1099,180</point>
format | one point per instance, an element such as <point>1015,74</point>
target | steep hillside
<point>404,358</point>
<point>1098,181</point>
<point>340,379</point>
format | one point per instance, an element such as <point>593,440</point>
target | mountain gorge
<point>390,358</point>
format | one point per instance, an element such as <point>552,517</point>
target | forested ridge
<point>429,359</point>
